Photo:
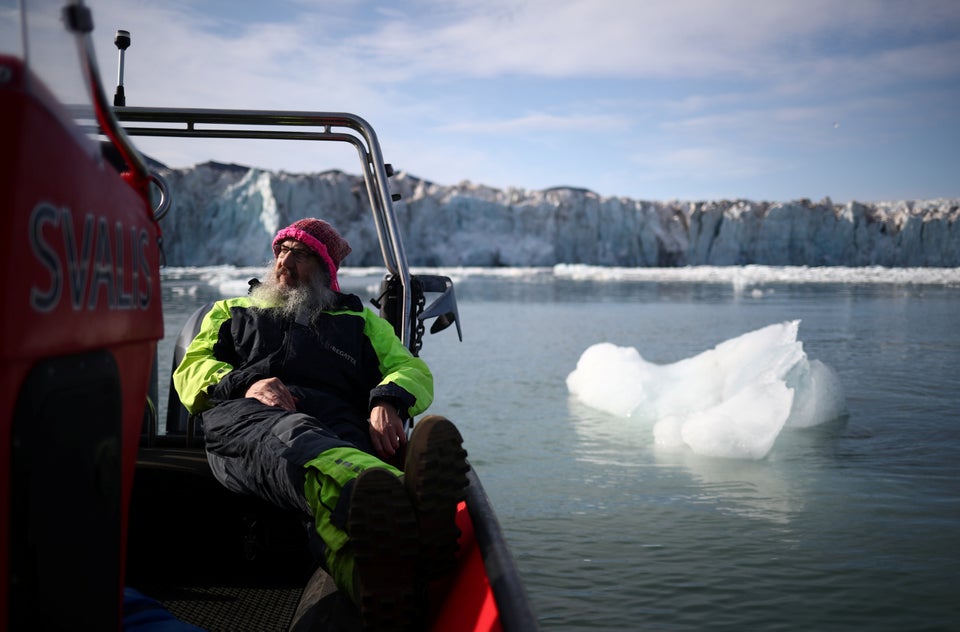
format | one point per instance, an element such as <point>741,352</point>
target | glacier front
<point>227,214</point>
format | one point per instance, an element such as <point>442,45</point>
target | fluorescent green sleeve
<point>199,369</point>
<point>398,366</point>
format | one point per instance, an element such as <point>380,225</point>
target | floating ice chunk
<point>730,401</point>
<point>819,398</point>
<point>741,427</point>
<point>609,378</point>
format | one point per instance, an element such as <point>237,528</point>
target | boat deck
<point>221,561</point>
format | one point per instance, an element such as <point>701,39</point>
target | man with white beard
<point>302,392</point>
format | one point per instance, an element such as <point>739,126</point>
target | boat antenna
<point>122,40</point>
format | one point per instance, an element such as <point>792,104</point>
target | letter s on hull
<point>45,300</point>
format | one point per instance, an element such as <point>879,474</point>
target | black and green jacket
<point>345,358</point>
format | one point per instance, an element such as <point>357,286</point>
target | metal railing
<point>282,125</point>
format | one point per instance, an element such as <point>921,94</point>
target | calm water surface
<point>853,525</point>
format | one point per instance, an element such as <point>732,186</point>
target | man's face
<point>296,264</point>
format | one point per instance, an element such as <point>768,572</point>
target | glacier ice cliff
<point>227,214</point>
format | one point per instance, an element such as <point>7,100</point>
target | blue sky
<point>648,99</point>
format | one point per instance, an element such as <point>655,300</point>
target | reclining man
<point>301,389</point>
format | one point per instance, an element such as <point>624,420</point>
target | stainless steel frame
<point>334,126</point>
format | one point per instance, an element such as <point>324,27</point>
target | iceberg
<point>732,401</point>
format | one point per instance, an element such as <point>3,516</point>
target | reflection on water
<point>753,489</point>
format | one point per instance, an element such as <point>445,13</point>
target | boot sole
<point>383,531</point>
<point>435,478</point>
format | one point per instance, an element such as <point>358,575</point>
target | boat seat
<point>182,428</point>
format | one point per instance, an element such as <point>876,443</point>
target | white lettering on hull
<point>97,273</point>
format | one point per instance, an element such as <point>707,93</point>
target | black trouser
<point>262,450</point>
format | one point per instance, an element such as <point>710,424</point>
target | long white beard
<point>301,303</point>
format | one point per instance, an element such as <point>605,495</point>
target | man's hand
<point>272,392</point>
<point>386,430</point>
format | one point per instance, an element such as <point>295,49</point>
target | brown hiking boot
<point>383,531</point>
<point>435,476</point>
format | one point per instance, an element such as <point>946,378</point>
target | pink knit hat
<point>321,238</point>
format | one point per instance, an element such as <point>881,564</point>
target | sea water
<point>850,523</point>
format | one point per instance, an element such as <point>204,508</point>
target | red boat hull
<point>79,260</point>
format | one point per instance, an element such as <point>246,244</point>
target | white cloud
<point>775,43</point>
<point>624,38</point>
<point>540,122</point>
<point>717,163</point>
<point>709,82</point>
